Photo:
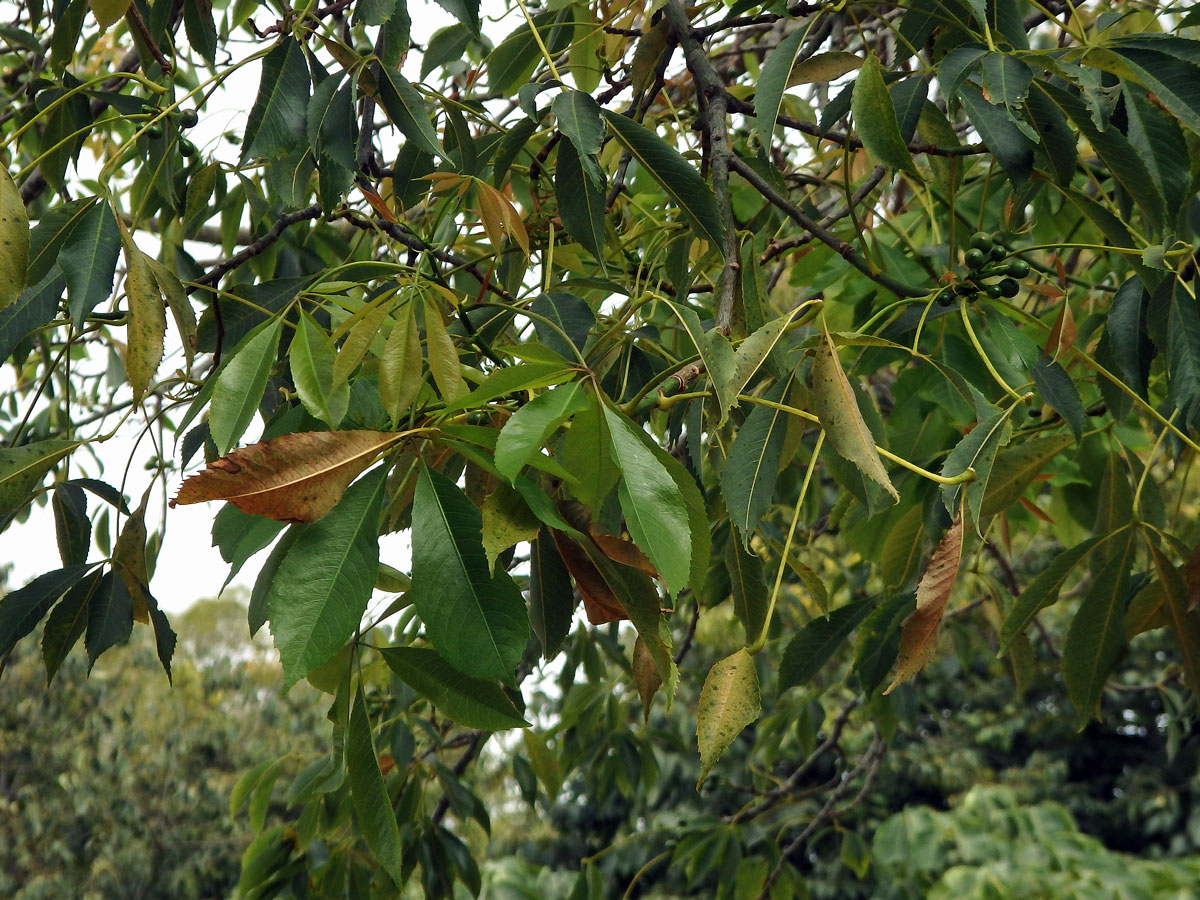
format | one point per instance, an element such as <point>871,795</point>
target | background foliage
<point>822,344</point>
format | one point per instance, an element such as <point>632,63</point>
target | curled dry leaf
<point>918,637</point>
<point>599,599</point>
<point>291,478</point>
<point>623,551</point>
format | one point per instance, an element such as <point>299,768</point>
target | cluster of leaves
<point>793,381</point>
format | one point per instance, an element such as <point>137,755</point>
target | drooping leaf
<point>1043,590</point>
<point>816,642</point>
<point>22,609</point>
<point>1011,147</point>
<point>470,702</point>
<point>875,119</point>
<point>681,182</point>
<point>836,406</point>
<point>400,365</point>
<point>260,596</point>
<point>238,536</point>
<point>14,240</point>
<point>1125,331</point>
<point>311,356</point>
<point>773,81</point>
<point>239,384</point>
<point>33,307</point>
<point>90,260</point>
<point>443,356</point>
<point>474,619</point>
<point>372,806</point>
<point>1183,355</point>
<point>1016,467</point>
<point>729,701</point>
<point>108,11</point>
<point>129,561</point>
<point>292,478</point>
<point>654,511</point>
<point>110,616</point>
<point>507,520</point>
<point>579,188</point>
<point>322,587</point>
<point>902,548</point>
<point>71,523</point>
<point>754,351</point>
<point>406,108</point>
<point>1185,622</point>
<point>750,597</point>
<point>918,638</point>
<point>1006,79</point>
<point>529,427</point>
<point>1096,637</point>
<point>1059,392</point>
<point>23,468</point>
<point>147,321</point>
<point>551,599</point>
<point>66,623</point>
<point>646,678</point>
<point>752,467</point>
<point>579,119</point>
<point>977,450</point>
<point>277,120</point>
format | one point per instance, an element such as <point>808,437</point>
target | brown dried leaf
<point>645,676</point>
<point>129,561</point>
<point>1062,335</point>
<point>599,601</point>
<point>291,478</point>
<point>625,552</point>
<point>918,637</point>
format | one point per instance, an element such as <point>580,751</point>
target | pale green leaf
<point>729,701</point>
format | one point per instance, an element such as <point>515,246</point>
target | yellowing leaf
<point>443,355</point>
<point>824,67</point>
<point>729,701</point>
<point>291,478</point>
<point>129,561</point>
<point>835,405</point>
<point>506,521</point>
<point>14,240</point>
<point>108,11</point>
<point>645,676</point>
<point>918,637</point>
<point>1062,336</point>
<point>147,319</point>
<point>400,366</point>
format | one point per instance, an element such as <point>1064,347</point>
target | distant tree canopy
<point>818,343</point>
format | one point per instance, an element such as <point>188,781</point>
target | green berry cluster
<point>987,257</point>
<point>185,118</point>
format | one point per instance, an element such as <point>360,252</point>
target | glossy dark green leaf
<point>1006,79</point>
<point>445,45</point>
<point>105,492</point>
<point>529,427</point>
<point>465,11</point>
<point>1059,391</point>
<point>406,108</point>
<point>259,606</point>
<point>579,119</point>
<point>772,82</point>
<point>909,96</point>
<point>1057,146</point>
<point>239,536</point>
<point>654,510</point>
<point>1169,67</point>
<point>875,119</point>
<point>200,29</point>
<point>22,609</point>
<point>879,641</point>
<point>679,180</point>
<point>1096,637</point>
<point>551,595</point>
<point>330,123</point>
<point>475,620</point>
<point>580,197</point>
<point>89,260</point>
<point>323,585</point>
<point>470,702</point>
<point>165,639</point>
<point>815,644</point>
<point>71,523</point>
<point>372,806</point>
<point>1126,334</point>
<point>66,623</point>
<point>573,316</point>
<point>752,467</point>
<point>110,616</point>
<point>976,450</point>
<point>956,66</point>
<point>1183,355</point>
<point>277,120</point>
<point>515,58</point>
<point>33,308</point>
<point>1016,467</point>
<point>1012,149</point>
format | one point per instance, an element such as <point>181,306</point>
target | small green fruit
<point>188,118</point>
<point>974,258</point>
<point>994,290</point>
<point>980,241</point>
<point>186,147</point>
<point>945,297</point>
<point>154,132</point>
<point>1009,288</point>
<point>1018,268</point>
<point>479,417</point>
<point>999,252</point>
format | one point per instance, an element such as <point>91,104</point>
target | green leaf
<point>836,406</point>
<point>311,357</point>
<point>586,455</point>
<point>33,308</point>
<point>879,641</point>
<point>1126,332</point>
<point>1007,142</point>
<point>679,180</point>
<point>277,120</point>
<point>400,365</point>
<point>443,355</point>
<point>902,548</point>
<point>14,240</point>
<point>108,11</point>
<point>773,81</point>
<point>1184,621</point>
<point>507,520</point>
<point>976,450</point>
<point>239,536</point>
<point>372,804</point>
<point>110,616</point>
<point>815,644</point>
<point>579,189</point>
<point>21,610</point>
<point>752,467</point>
<point>956,66</point>
<point>1171,74</point>
<point>1096,637</point>
<point>655,513</point>
<point>875,119</point>
<point>715,352</point>
<point>67,621</point>
<point>147,321</point>
<point>71,524</point>
<point>551,594</point>
<point>406,108</point>
<point>579,119</point>
<point>323,585</point>
<point>523,376</point>
<point>1016,467</point>
<point>569,313</point>
<point>256,612</point>
<point>23,468</point>
<point>515,58</point>
<point>1059,391</point>
<point>239,384</point>
<point>476,621</point>
<point>750,597</point>
<point>754,351</point>
<point>1006,79</point>
<point>329,123</point>
<point>729,701</point>
<point>90,261</point>
<point>528,428</point>
<point>1183,355</point>
<point>469,701</point>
